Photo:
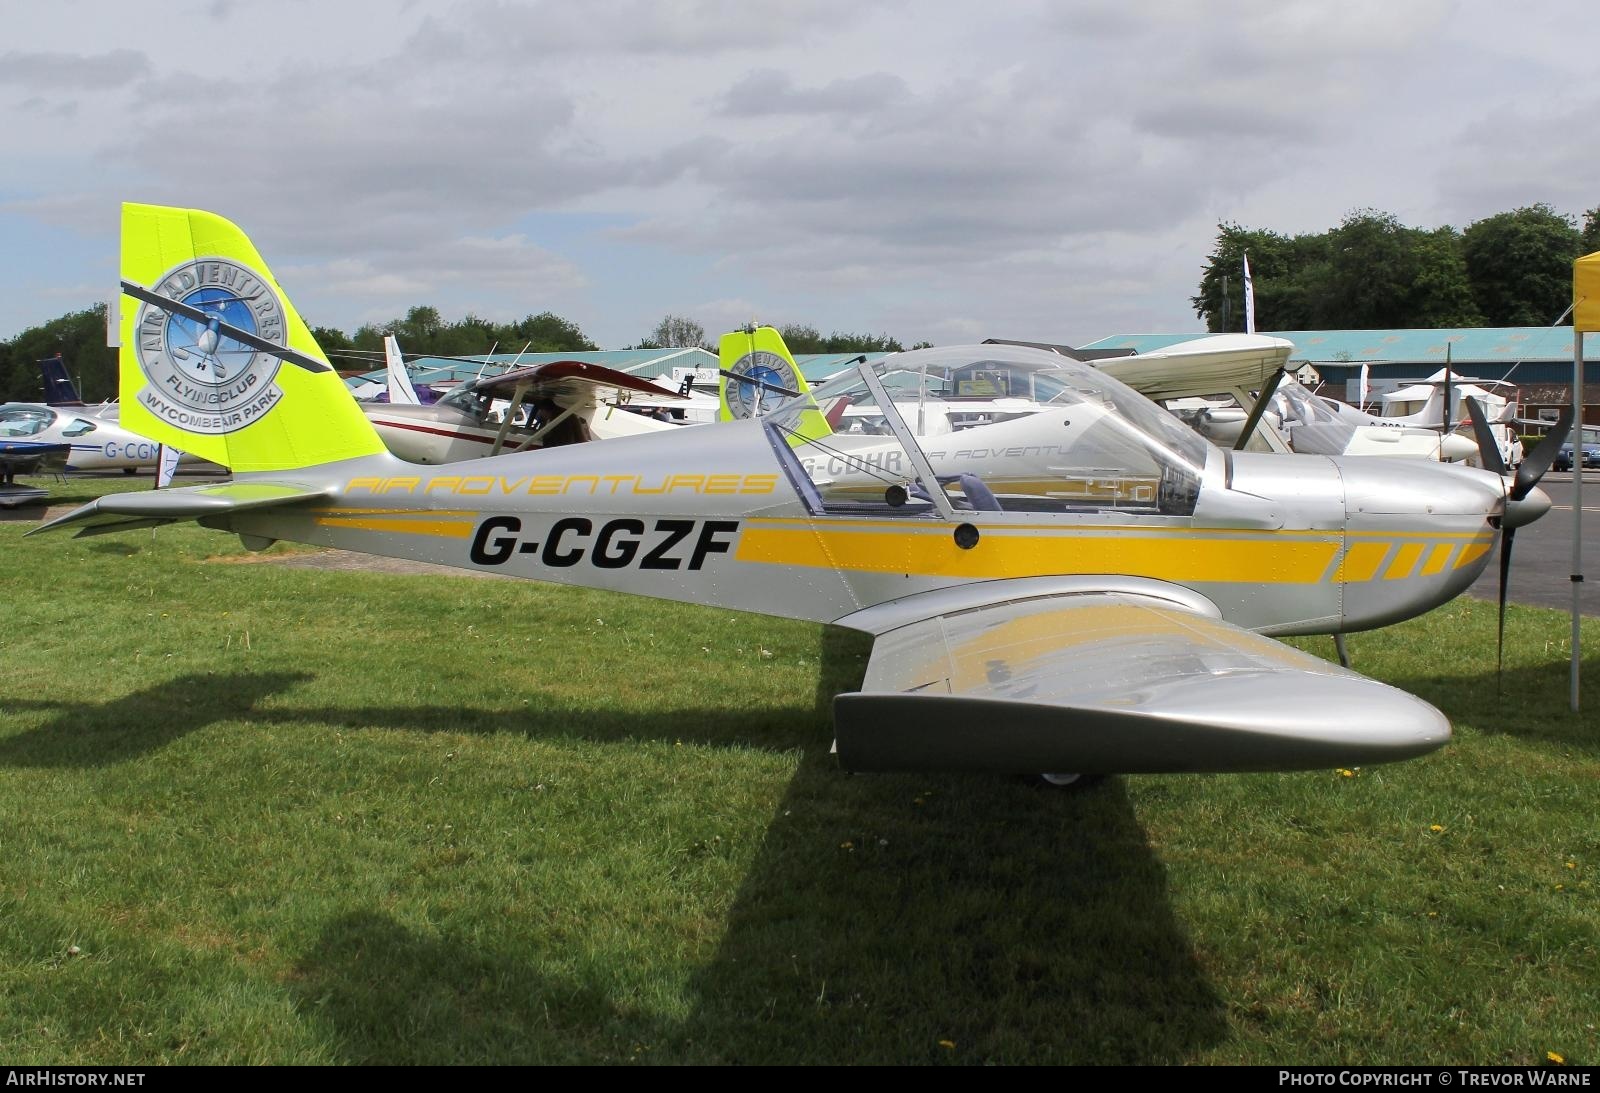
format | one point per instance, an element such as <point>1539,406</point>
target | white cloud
<point>73,72</point>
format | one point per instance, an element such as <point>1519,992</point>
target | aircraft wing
<point>561,380</point>
<point>27,456</point>
<point>151,508</point>
<point>1204,366</point>
<point>1115,683</point>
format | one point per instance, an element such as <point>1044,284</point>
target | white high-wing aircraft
<point>1097,598</point>
<point>544,405</point>
<point>1239,365</point>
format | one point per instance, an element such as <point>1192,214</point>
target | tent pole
<point>1577,505</point>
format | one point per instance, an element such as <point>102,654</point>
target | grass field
<point>253,813</point>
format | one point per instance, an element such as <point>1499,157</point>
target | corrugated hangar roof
<point>1498,344</point>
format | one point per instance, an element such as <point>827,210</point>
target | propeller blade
<point>243,337</point>
<point>1505,575</point>
<point>1543,454</point>
<point>1488,447</point>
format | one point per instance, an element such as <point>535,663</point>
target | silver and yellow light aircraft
<point>1094,589</point>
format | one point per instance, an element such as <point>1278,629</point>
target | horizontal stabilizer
<point>1113,683</point>
<point>150,508</point>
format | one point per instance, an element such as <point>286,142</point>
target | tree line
<point>1371,272</point>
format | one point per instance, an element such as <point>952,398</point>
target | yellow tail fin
<point>758,353</point>
<point>215,361</point>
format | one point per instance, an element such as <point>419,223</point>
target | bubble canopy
<point>1063,437</point>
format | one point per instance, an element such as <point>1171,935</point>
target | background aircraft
<point>105,445</point>
<point>1439,403</point>
<point>1240,365</point>
<point>562,402</point>
<point>1108,613</point>
<point>1316,425</point>
<point>91,443</point>
<point>25,456</point>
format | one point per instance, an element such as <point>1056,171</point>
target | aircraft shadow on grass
<point>1056,943</point>
<point>88,734</point>
<point>92,734</point>
<point>1057,940</point>
<point>100,734</point>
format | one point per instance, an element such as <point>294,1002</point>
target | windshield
<point>468,400</point>
<point>1046,434</point>
<point>24,422</point>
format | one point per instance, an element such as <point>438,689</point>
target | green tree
<point>1380,273</point>
<point>803,338</point>
<point>1369,272</point>
<point>548,333</point>
<point>80,338</point>
<point>1591,231</point>
<point>420,331</point>
<point>1281,267</point>
<point>1520,265</point>
<point>331,339</point>
<point>369,337</point>
<point>1441,290</point>
<point>424,332</point>
<point>675,332</point>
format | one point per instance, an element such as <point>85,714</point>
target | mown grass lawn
<point>253,813</point>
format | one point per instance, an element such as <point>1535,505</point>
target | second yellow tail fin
<point>769,377</point>
<point>215,361</point>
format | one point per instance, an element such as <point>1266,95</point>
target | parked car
<point>1591,457</point>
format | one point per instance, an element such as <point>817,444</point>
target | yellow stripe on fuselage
<point>1472,553</point>
<point>1033,552</point>
<point>1361,562</point>
<point>1405,560</point>
<point>445,528</point>
<point>1438,558</point>
<point>1181,555</point>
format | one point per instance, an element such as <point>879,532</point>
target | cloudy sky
<point>933,169</point>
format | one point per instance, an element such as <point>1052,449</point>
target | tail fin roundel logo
<point>200,379</point>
